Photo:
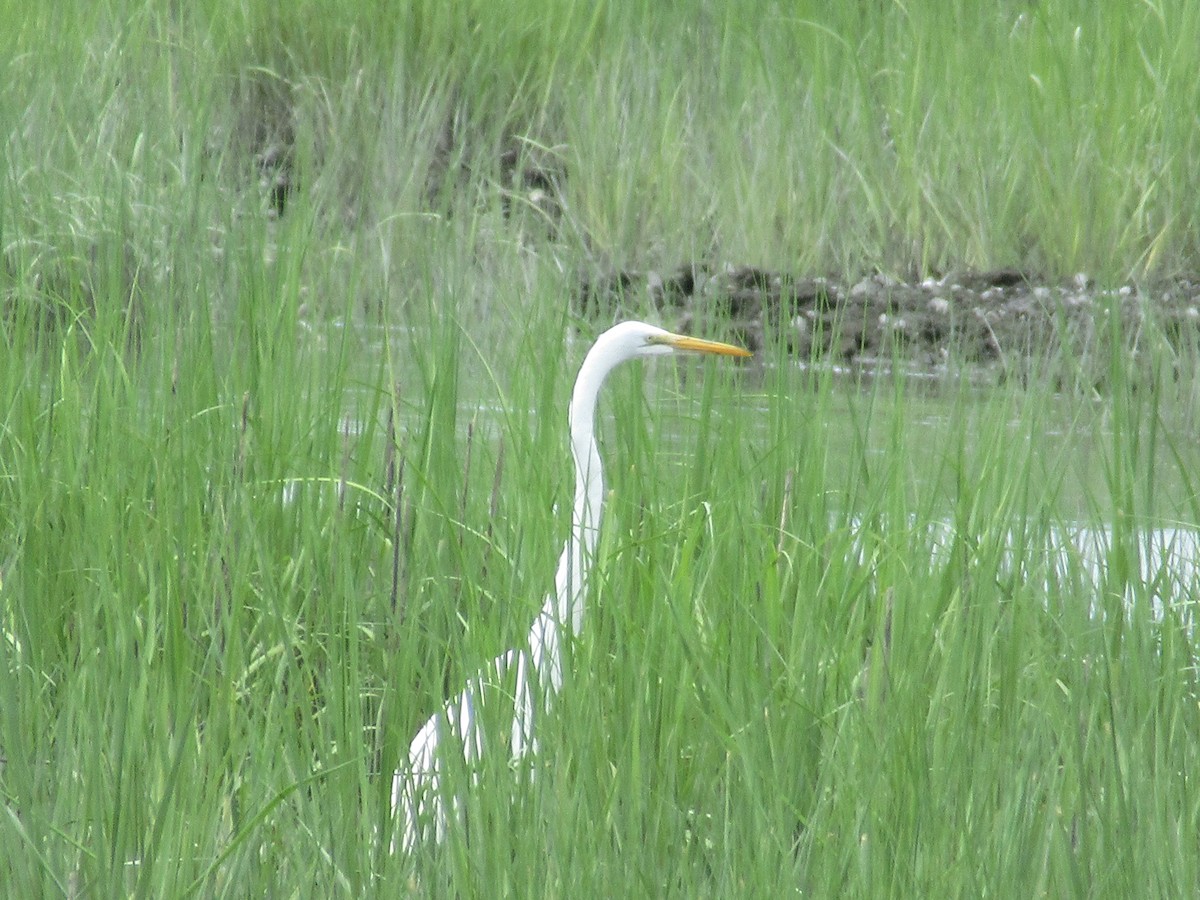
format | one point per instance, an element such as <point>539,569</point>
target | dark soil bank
<point>999,320</point>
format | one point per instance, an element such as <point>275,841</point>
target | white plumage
<point>418,796</point>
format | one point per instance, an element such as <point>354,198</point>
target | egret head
<point>630,340</point>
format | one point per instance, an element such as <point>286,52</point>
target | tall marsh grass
<point>282,461</point>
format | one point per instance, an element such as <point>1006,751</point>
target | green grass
<point>271,488</point>
<point>841,139</point>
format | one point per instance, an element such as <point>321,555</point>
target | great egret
<point>417,795</point>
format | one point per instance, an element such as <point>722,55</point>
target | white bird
<point>417,793</point>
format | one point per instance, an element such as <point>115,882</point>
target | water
<point>1071,440</point>
<point>1160,565</point>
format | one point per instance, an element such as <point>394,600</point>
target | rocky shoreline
<point>998,320</point>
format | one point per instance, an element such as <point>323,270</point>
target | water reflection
<point>1158,565</point>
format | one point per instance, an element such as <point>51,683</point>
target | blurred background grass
<point>814,138</point>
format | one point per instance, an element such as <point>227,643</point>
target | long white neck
<point>563,610</point>
<point>579,552</point>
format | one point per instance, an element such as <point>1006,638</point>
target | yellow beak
<point>699,345</point>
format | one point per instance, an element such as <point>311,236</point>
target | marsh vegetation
<point>291,298</point>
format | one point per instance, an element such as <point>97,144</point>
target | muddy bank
<point>999,321</point>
